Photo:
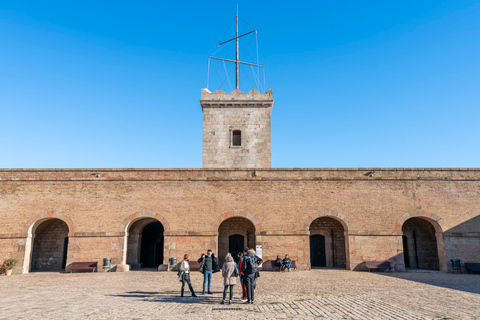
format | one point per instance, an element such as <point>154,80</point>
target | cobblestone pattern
<point>318,294</point>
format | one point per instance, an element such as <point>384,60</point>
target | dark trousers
<point>225,292</point>
<point>250,284</point>
<point>186,278</point>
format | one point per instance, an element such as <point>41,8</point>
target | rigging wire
<point>229,82</point>
<point>227,30</point>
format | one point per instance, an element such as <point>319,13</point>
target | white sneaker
<point>244,300</point>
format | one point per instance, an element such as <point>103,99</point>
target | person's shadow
<point>170,296</point>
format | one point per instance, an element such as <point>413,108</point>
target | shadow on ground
<point>173,296</point>
<point>462,282</point>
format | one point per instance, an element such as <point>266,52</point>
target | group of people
<point>246,270</point>
<point>284,263</point>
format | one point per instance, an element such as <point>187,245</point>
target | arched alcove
<point>145,243</point>
<point>50,246</point>
<point>327,243</point>
<point>234,234</point>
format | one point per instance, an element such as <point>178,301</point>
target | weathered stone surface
<point>247,112</point>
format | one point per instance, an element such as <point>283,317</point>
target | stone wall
<point>99,206</point>
<point>224,113</point>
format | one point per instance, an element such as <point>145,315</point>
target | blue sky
<point>116,84</point>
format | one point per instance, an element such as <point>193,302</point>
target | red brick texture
<point>99,205</point>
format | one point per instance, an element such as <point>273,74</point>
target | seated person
<point>279,263</point>
<point>287,262</point>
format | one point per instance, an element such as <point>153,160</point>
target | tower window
<point>237,138</point>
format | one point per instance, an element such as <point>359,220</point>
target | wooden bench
<point>194,265</point>
<point>83,266</point>
<point>378,265</point>
<point>472,266</point>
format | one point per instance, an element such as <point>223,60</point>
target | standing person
<point>242,278</point>
<point>184,275</point>
<point>229,273</point>
<point>208,267</point>
<point>287,262</point>
<point>239,258</point>
<point>250,270</point>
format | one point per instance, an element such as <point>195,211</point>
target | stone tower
<point>236,129</point>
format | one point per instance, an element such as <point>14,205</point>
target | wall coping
<point>244,174</point>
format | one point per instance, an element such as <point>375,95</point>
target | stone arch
<point>29,231</point>
<point>223,236</point>
<point>238,213</point>
<point>340,217</point>
<point>33,222</point>
<point>129,221</point>
<point>434,219</point>
<point>439,226</point>
<point>345,223</point>
<point>126,223</point>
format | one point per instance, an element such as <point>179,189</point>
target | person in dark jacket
<point>250,273</point>
<point>209,265</point>
<point>279,263</point>
<point>287,262</point>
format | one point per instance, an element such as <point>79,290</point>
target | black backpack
<point>251,265</point>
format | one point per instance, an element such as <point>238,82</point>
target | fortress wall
<point>281,203</point>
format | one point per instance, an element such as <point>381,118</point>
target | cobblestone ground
<point>317,294</point>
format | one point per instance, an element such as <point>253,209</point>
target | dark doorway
<point>65,251</point>
<point>317,251</point>
<point>151,253</point>
<point>405,252</point>
<point>235,245</point>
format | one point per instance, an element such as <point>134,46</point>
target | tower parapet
<point>237,129</point>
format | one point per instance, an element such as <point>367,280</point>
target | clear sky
<point>116,84</point>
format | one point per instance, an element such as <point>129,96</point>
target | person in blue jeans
<point>287,262</point>
<point>209,265</point>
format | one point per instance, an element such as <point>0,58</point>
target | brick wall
<point>99,205</point>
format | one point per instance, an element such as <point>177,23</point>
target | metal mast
<point>236,60</point>
<point>237,56</point>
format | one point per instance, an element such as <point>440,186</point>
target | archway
<point>420,249</point>
<point>145,244</point>
<point>50,246</point>
<point>327,243</point>
<point>234,234</point>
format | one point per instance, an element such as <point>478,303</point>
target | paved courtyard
<point>316,294</point>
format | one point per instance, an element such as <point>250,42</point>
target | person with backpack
<point>209,265</point>
<point>184,275</point>
<point>242,280</point>
<point>250,273</point>
<point>229,273</point>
